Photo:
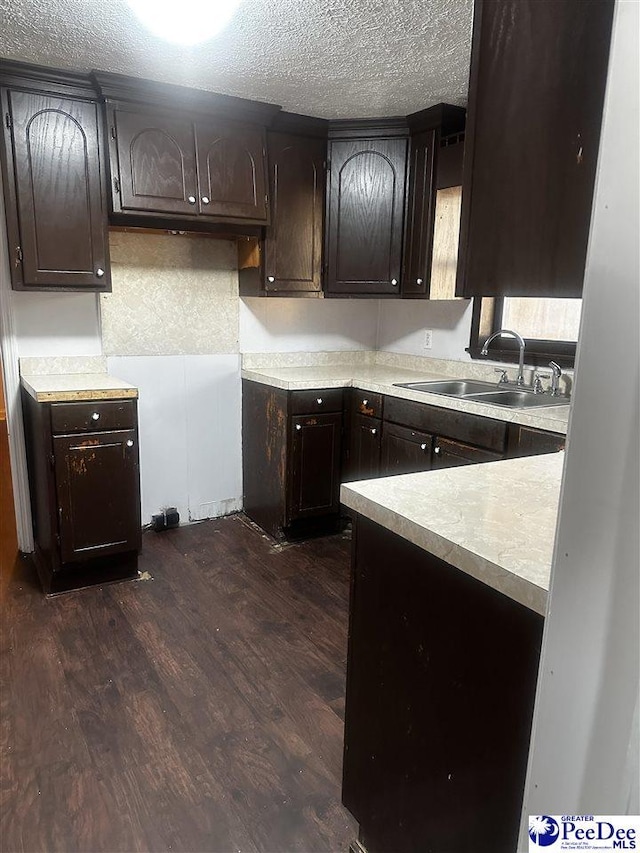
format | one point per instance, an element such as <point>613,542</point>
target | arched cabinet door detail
<point>156,164</point>
<point>365,215</point>
<point>57,224</point>
<point>231,170</point>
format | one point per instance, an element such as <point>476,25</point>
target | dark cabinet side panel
<point>293,241</point>
<point>314,465</point>
<point>365,213</point>
<point>231,171</point>
<point>97,486</point>
<point>536,94</point>
<point>53,152</point>
<point>420,209</point>
<point>155,162</point>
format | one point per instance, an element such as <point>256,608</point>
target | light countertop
<point>381,379</point>
<point>495,521</point>
<point>69,387</point>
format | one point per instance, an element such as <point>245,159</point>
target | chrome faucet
<point>555,378</point>
<point>519,339</point>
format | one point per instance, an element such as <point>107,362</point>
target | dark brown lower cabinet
<point>85,490</point>
<point>363,462</point>
<point>528,441</point>
<point>292,446</point>
<point>404,450</point>
<point>451,454</point>
<point>441,679</point>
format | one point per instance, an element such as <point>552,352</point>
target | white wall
<point>316,325</point>
<point>584,752</point>
<point>402,325</point>
<point>57,324</point>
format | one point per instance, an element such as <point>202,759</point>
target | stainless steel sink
<point>486,392</point>
<point>451,387</point>
<point>518,399</point>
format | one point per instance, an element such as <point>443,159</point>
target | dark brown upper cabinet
<point>433,202</point>
<point>538,74</point>
<point>175,166</point>
<point>288,261</point>
<point>184,157</point>
<point>56,219</point>
<point>365,208</point>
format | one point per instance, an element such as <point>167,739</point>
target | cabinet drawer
<point>316,401</point>
<point>96,415</point>
<point>405,451</point>
<point>450,454</point>
<point>461,426</point>
<point>366,403</point>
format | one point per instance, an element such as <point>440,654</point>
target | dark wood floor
<point>198,711</point>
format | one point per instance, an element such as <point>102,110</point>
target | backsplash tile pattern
<point>171,296</point>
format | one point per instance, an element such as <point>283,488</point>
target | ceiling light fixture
<point>185,22</point>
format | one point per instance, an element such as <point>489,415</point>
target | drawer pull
<point>365,402</point>
<point>298,426</point>
<point>374,431</point>
<point>423,447</point>
<point>95,416</point>
<point>319,401</point>
<point>271,279</point>
<point>99,272</point>
<point>129,442</point>
<point>436,450</point>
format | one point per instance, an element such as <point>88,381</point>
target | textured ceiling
<point>329,58</point>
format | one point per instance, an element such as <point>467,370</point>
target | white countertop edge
<point>540,418</point>
<point>517,588</point>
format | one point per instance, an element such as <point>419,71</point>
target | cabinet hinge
<point>52,460</point>
<point>113,133</point>
<point>7,121</point>
<point>116,184</point>
<point>266,198</point>
<point>19,256</point>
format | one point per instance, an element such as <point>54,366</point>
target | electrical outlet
<point>428,338</point>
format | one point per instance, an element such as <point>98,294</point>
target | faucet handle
<point>504,379</point>
<point>538,387</point>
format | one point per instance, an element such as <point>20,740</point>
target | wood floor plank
<point>197,711</point>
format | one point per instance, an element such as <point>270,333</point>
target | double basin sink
<point>486,392</point>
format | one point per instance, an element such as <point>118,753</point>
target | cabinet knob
<point>365,402</point>
<point>99,272</point>
<point>129,442</point>
<point>205,199</point>
<point>394,282</point>
<point>298,426</point>
<point>271,279</point>
<point>423,447</point>
<point>436,450</point>
<point>374,431</point>
<point>95,416</point>
<point>319,401</point>
<point>418,281</point>
<point>191,199</point>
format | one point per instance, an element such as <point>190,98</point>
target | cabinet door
<point>156,165</point>
<point>450,454</point>
<point>364,449</point>
<point>57,211</point>
<point>293,242</point>
<point>538,74</point>
<point>420,207</point>
<point>98,493</point>
<point>231,171</point>
<point>405,451</point>
<point>314,465</point>
<point>527,441</point>
<point>365,216</point>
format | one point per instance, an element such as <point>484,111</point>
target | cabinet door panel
<point>420,207</point>
<point>315,465</point>
<point>537,85</point>
<point>364,448</point>
<point>231,171</point>
<point>97,489</point>
<point>405,451</point>
<point>156,163</point>
<point>62,225</point>
<point>365,215</point>
<point>293,242</point>
<point>450,454</point>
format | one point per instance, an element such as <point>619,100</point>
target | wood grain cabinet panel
<point>57,222</point>
<point>155,163</point>
<point>315,465</point>
<point>231,171</point>
<point>364,445</point>
<point>405,451</point>
<point>538,75</point>
<point>365,213</point>
<point>420,212</point>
